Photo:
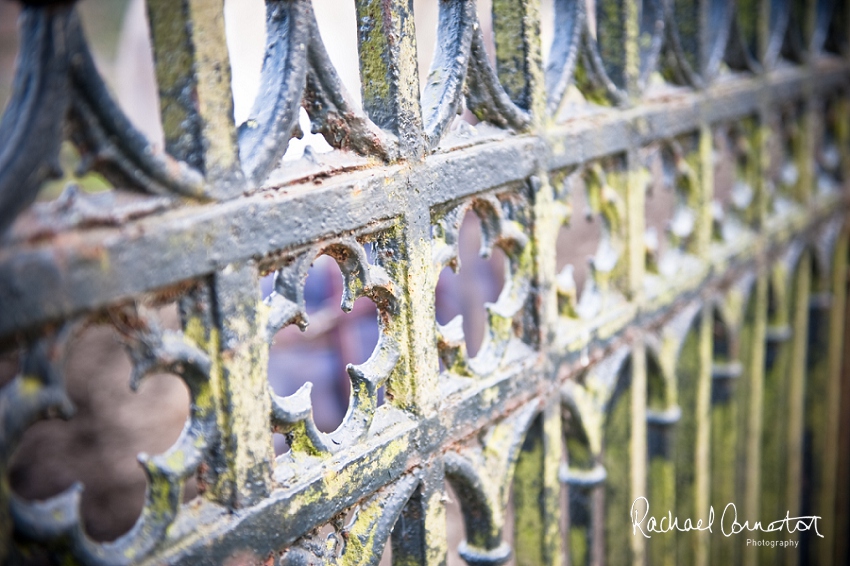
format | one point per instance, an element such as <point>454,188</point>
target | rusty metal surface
<point>645,378</point>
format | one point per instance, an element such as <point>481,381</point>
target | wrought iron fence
<point>694,366</point>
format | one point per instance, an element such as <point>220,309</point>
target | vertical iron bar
<point>389,70</point>
<point>833,399</point>
<point>638,439</point>
<point>842,521</point>
<point>551,496</point>
<point>242,367</point>
<point>797,395</point>
<point>755,370</point>
<point>635,197</point>
<point>519,63</point>
<point>196,102</point>
<point>528,500</point>
<point>754,374</point>
<point>417,389</point>
<point>703,428</point>
<point>775,399</point>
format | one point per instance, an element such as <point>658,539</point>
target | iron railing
<point>697,372</point>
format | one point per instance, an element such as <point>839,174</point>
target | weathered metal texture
<point>663,376</point>
<point>58,93</point>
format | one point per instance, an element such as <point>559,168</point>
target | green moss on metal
<point>688,375</point>
<point>618,486</point>
<point>611,36</point>
<point>748,16</point>
<point>724,439</point>
<point>578,546</point>
<point>168,28</point>
<point>529,527</point>
<point>335,482</point>
<point>174,66</point>
<point>802,148</point>
<point>436,547</point>
<point>752,407</point>
<point>29,386</point>
<point>300,442</point>
<point>661,550</point>
<point>193,75</point>
<point>841,130</point>
<point>517,35</point>
<point>362,544</point>
<point>373,49</point>
<point>776,408</point>
<point>590,89</point>
<point>215,98</point>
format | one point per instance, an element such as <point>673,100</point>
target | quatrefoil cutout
<point>503,226</point>
<point>672,203</point>
<point>292,415</point>
<point>39,391</point>
<point>597,188</point>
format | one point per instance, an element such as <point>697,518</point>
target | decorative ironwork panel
<point>695,360</point>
